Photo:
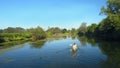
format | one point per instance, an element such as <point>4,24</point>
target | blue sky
<point>54,13</point>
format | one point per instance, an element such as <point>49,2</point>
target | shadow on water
<point>112,50</point>
<point>37,44</point>
<point>56,38</point>
<point>83,40</point>
<point>73,37</point>
<point>109,48</point>
<point>9,46</point>
<point>92,41</point>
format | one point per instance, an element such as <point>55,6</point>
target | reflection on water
<point>9,46</point>
<point>83,40</point>
<point>92,41</point>
<point>74,49</point>
<point>112,50</point>
<point>57,53</point>
<point>37,44</point>
<point>73,52</point>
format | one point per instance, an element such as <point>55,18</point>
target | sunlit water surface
<point>57,53</point>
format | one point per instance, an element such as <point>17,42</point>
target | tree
<point>64,30</point>
<point>14,30</point>
<point>38,33</point>
<point>1,31</point>
<point>82,29</point>
<point>73,32</point>
<point>113,8</point>
<point>110,26</point>
<point>91,30</point>
<point>54,30</point>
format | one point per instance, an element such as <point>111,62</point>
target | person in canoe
<point>74,50</point>
<point>74,47</point>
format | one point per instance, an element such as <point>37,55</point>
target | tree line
<point>108,28</point>
<point>38,33</point>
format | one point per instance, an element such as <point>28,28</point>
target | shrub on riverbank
<point>17,34</point>
<point>6,37</point>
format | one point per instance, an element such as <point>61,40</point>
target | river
<point>57,53</point>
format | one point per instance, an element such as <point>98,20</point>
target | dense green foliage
<point>5,37</point>
<point>37,33</point>
<point>18,33</point>
<point>56,31</point>
<point>91,30</point>
<point>82,29</point>
<point>73,32</point>
<point>14,30</point>
<point>64,30</point>
<point>14,34</point>
<point>108,28</point>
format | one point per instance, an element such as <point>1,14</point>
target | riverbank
<point>15,42</point>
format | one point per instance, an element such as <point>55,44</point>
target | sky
<point>49,13</point>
